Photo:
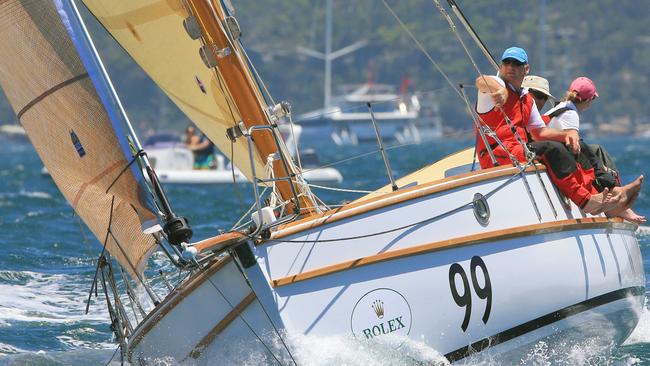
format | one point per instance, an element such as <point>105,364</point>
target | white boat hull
<point>535,282</point>
<point>225,176</point>
<point>554,278</point>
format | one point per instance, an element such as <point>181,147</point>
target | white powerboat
<point>174,162</point>
<point>350,120</point>
<point>349,115</point>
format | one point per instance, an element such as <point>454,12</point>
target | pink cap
<point>584,87</point>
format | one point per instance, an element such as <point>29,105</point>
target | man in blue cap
<point>502,95</point>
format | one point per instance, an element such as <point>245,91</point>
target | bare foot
<point>627,214</point>
<point>628,193</point>
<point>601,202</point>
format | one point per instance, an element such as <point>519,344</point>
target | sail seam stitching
<point>49,92</point>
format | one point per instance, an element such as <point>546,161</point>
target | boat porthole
<point>481,209</point>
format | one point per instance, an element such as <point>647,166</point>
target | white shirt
<point>484,104</point>
<point>569,120</point>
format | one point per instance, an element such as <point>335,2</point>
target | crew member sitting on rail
<point>503,95</point>
<point>593,158</point>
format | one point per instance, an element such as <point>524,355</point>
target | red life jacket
<point>518,110</point>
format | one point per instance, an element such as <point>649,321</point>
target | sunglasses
<point>537,94</point>
<point>512,61</point>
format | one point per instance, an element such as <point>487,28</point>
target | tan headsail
<point>215,99</point>
<point>55,101</point>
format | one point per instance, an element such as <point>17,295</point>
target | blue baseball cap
<point>517,53</point>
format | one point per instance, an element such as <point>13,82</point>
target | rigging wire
<point>266,313</point>
<point>420,46</point>
<point>454,30</point>
<point>417,42</point>
<point>135,157</point>
<point>239,315</point>
<point>520,171</point>
<point>113,356</point>
<point>295,142</point>
<point>240,198</point>
<point>339,189</point>
<point>529,155</point>
<point>249,211</point>
<point>258,78</point>
<point>101,255</point>
<point>359,156</point>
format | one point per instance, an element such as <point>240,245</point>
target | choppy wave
<point>323,351</point>
<point>643,231</point>
<point>50,298</point>
<point>28,194</point>
<point>6,349</point>
<point>641,333</point>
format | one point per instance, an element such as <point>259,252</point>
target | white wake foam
<point>643,231</point>
<point>641,333</point>
<point>323,351</point>
<point>49,298</point>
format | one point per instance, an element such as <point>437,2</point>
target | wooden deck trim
<point>503,234</point>
<point>393,198</point>
<point>209,338</point>
<point>173,299</point>
<point>219,241</point>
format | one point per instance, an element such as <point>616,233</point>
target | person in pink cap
<point>581,93</point>
<point>565,116</point>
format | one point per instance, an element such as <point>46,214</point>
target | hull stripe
<point>209,338</point>
<point>397,197</point>
<point>504,234</point>
<point>543,321</point>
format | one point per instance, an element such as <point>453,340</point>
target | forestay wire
<point>421,47</point>
<point>426,53</point>
<point>519,174</point>
<point>480,74</point>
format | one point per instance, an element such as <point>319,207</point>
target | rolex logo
<point>395,320</point>
<point>378,307</point>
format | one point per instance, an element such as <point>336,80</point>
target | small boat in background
<point>349,115</point>
<point>350,119</point>
<point>174,162</point>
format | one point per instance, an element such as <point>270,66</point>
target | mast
<point>542,37</point>
<point>327,102</point>
<point>328,56</point>
<point>245,96</point>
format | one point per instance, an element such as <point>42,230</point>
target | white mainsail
<point>54,99</point>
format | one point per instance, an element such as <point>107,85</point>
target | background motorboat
<point>173,162</point>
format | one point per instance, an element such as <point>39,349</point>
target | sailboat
<point>459,260</point>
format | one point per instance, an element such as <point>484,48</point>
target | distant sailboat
<point>458,260</point>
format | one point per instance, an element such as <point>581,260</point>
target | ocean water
<point>47,261</point>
